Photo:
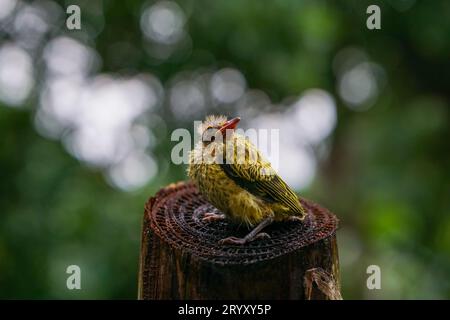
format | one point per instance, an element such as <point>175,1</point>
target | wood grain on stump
<point>181,257</point>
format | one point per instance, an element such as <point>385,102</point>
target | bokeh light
<point>358,86</point>
<point>133,172</point>
<point>68,57</point>
<point>187,98</point>
<point>16,74</point>
<point>315,115</point>
<point>163,22</point>
<point>359,79</point>
<point>293,161</point>
<point>7,6</point>
<point>227,85</point>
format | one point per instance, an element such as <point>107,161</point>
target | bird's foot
<point>295,218</point>
<point>210,216</point>
<point>241,241</point>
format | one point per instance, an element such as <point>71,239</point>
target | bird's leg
<point>210,216</point>
<point>252,235</point>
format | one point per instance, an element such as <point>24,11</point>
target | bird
<point>232,174</point>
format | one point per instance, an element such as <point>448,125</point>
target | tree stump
<point>181,258</point>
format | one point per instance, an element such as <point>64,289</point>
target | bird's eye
<point>209,136</point>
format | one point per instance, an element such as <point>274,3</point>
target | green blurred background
<point>86,119</point>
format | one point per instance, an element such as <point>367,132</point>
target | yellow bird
<point>231,174</point>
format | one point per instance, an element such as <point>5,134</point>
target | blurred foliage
<point>386,174</point>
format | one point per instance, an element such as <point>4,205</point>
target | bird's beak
<point>230,124</point>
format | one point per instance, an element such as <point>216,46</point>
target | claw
<point>295,218</point>
<point>241,241</point>
<point>262,235</point>
<point>210,217</point>
<point>232,240</point>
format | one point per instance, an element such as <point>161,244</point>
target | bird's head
<point>217,128</point>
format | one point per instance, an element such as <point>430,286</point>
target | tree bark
<point>181,258</point>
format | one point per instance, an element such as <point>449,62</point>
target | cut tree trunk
<point>181,258</point>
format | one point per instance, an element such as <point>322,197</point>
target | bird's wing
<point>260,179</point>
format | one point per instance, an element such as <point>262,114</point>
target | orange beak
<point>230,124</point>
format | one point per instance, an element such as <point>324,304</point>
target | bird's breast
<point>214,185</point>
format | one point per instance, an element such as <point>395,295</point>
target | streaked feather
<point>260,179</point>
